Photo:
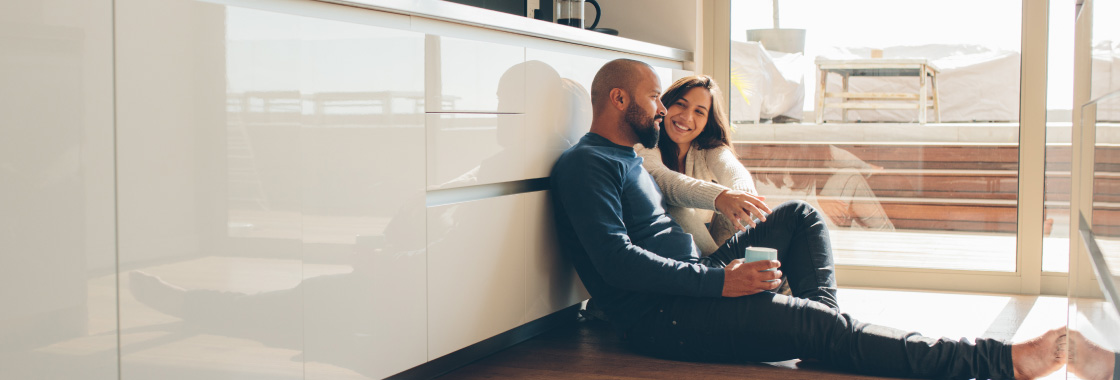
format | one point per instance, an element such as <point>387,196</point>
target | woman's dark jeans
<point>768,327</point>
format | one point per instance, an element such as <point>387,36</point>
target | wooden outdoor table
<point>878,67</point>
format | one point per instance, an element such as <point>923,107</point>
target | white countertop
<point>484,18</point>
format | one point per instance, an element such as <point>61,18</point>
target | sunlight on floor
<point>955,315</point>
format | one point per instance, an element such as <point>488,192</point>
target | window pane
<point>1106,175</point>
<point>1059,106</point>
<point>1105,115</point>
<point>900,188</point>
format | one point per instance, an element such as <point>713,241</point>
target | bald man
<point>647,276</point>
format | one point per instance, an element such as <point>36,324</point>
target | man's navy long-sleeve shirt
<point>611,222</point>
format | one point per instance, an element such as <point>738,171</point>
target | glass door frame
<point>1082,282</point>
<point>714,60</point>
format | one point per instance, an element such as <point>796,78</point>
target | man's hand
<point>738,205</point>
<point>744,279</point>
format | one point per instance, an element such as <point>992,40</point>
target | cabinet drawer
<point>473,76</point>
<point>476,261</point>
<point>551,282</point>
<point>477,149</point>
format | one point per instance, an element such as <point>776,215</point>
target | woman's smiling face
<point>688,116</point>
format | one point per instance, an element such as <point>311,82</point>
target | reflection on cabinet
<point>272,200</point>
<point>467,149</point>
<point>57,287</point>
<point>492,266</point>
<point>476,259</point>
<point>551,282</point>
<point>474,76</point>
<point>363,199</point>
<point>208,214</point>
<point>281,189</point>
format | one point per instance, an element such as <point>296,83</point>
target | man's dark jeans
<point>771,327</point>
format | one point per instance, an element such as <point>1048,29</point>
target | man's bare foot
<point>1040,356</point>
<point>1089,361</point>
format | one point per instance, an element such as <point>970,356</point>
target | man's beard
<point>644,126</point>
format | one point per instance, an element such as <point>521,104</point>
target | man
<point>646,275</point>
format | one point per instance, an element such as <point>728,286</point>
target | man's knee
<point>796,206</point>
<point>799,209</point>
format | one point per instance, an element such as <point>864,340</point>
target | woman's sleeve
<point>729,171</point>
<point>679,189</point>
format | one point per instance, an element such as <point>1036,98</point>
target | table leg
<point>820,95</point>
<point>844,99</point>
<point>936,100</point>
<point>922,102</point>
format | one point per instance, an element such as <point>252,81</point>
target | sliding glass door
<point>907,124</point>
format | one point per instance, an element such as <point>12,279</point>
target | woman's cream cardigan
<point>691,196</point>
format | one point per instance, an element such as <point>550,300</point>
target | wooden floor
<point>589,350</point>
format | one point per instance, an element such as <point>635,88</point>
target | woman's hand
<point>744,279</point>
<point>738,205</point>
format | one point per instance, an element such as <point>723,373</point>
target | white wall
<point>670,23</point>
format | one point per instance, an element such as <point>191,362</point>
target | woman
<point>695,166</point>
<point>695,142</point>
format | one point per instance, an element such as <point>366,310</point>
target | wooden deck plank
<point>953,187</point>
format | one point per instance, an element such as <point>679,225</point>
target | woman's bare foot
<point>1089,361</point>
<point>1040,356</point>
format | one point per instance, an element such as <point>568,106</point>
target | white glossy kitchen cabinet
<point>476,258</point>
<point>571,63</point>
<point>209,211</point>
<point>560,101</point>
<point>57,266</point>
<point>468,149</point>
<point>271,221</point>
<point>363,200</point>
<point>465,75</point>
<point>273,189</point>
<point>551,282</point>
<point>493,265</point>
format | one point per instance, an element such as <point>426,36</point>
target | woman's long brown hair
<point>717,131</point>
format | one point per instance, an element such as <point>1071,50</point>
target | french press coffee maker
<point>570,12</point>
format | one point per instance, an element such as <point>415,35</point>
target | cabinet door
<point>363,200</point>
<point>468,149</point>
<point>272,193</point>
<point>208,127</point>
<point>57,286</point>
<point>559,100</point>
<point>465,75</point>
<point>493,265</point>
<point>476,260</point>
<point>551,281</point>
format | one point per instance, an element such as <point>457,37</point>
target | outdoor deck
<point>944,186</point>
<point>949,189</point>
